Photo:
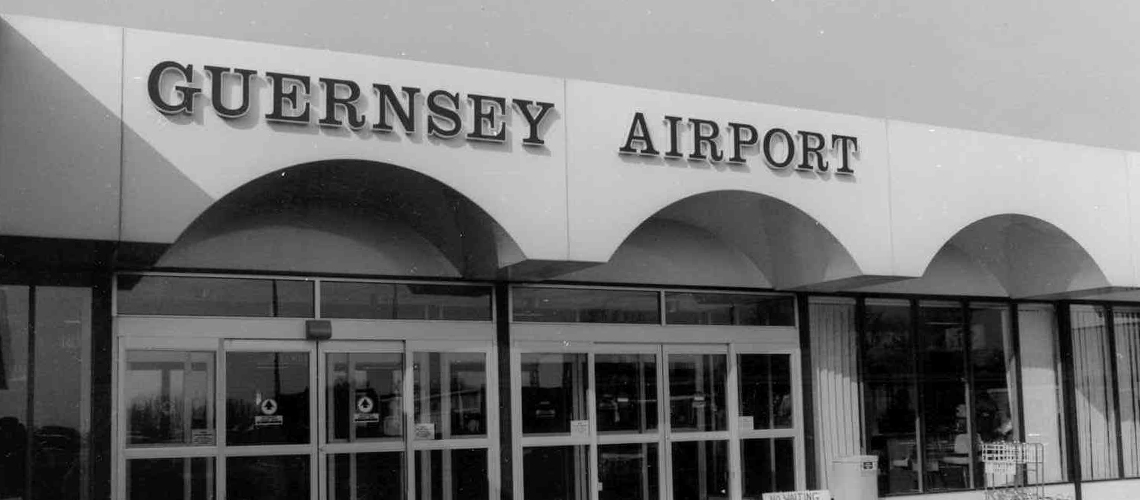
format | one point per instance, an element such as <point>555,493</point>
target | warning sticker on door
<point>268,420</point>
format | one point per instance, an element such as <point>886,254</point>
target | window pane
<point>1041,383</point>
<point>1096,424</point>
<point>364,399</point>
<point>450,394</point>
<point>267,398</point>
<point>14,308</point>
<point>994,391</point>
<point>192,296</point>
<point>452,475</point>
<point>1127,323</point>
<point>553,393</point>
<point>627,472</point>
<point>574,305</point>
<point>170,397</point>
<point>443,302</point>
<point>182,478</point>
<point>62,328</point>
<point>700,470</point>
<point>358,300</point>
<point>889,393</point>
<point>768,466</point>
<point>697,392</point>
<point>945,411</point>
<point>366,476</point>
<point>626,392</point>
<point>729,309</point>
<point>405,301</point>
<point>267,478</point>
<point>556,473</point>
<point>766,390</point>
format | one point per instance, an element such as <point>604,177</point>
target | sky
<point>1050,69</point>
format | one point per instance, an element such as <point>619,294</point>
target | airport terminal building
<point>232,270</point>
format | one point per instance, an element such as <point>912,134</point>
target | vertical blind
<point>835,382</point>
<point>1096,415</point>
<point>1127,330</point>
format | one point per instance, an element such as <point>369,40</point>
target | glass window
<point>626,392</point>
<point>578,305</point>
<point>1096,412</point>
<point>697,392</point>
<point>359,300</point>
<point>62,329</point>
<point>185,478</point>
<point>451,394</point>
<point>195,296</point>
<point>268,478</point>
<point>556,472</point>
<point>766,466</point>
<point>365,396</point>
<point>765,390</point>
<point>700,470</point>
<point>170,398</point>
<point>1127,330</point>
<point>687,308</point>
<point>366,476</point>
<point>553,393</point>
<point>14,321</point>
<point>267,398</point>
<point>452,475</point>
<point>627,472</point>
<point>948,443</point>
<point>890,395</point>
<point>1041,382</point>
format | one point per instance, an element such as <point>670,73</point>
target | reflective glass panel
<point>170,397</point>
<point>342,299</point>
<point>948,444</point>
<point>554,393</point>
<point>451,475</point>
<point>556,473</point>
<point>62,328</point>
<point>697,392</point>
<point>451,394</point>
<point>889,393</point>
<point>1041,382</point>
<point>994,391</point>
<point>267,398</point>
<point>365,395</point>
<point>768,466</point>
<point>176,478</point>
<point>766,390</point>
<point>196,296</point>
<point>626,392</point>
<point>700,470</point>
<point>14,309</point>
<point>267,478</point>
<point>579,305</point>
<point>627,472</point>
<point>689,308</point>
<point>366,476</point>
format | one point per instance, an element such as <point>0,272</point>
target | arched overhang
<point>729,238</point>
<point>346,216</point>
<point>1012,255</point>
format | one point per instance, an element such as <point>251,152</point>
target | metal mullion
<point>559,440</point>
<point>515,409</point>
<point>273,450</point>
<point>30,387</point>
<point>732,398</point>
<point>684,437</point>
<point>770,434</point>
<point>594,478</point>
<point>322,418</point>
<point>452,444</point>
<point>363,447</point>
<point>971,394</point>
<point>608,439</point>
<point>664,451</point>
<point>409,422</point>
<point>313,449</point>
<point>152,452</point>
<point>220,436</point>
<point>918,369</point>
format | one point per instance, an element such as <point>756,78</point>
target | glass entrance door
<point>648,421</point>
<point>353,420</point>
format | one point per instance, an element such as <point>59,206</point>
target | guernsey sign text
<point>292,102</point>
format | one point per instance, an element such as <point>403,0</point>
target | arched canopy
<point>728,238</point>
<point>1010,255</point>
<point>346,216</point>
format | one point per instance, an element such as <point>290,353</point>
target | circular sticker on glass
<point>268,407</point>
<point>364,404</point>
